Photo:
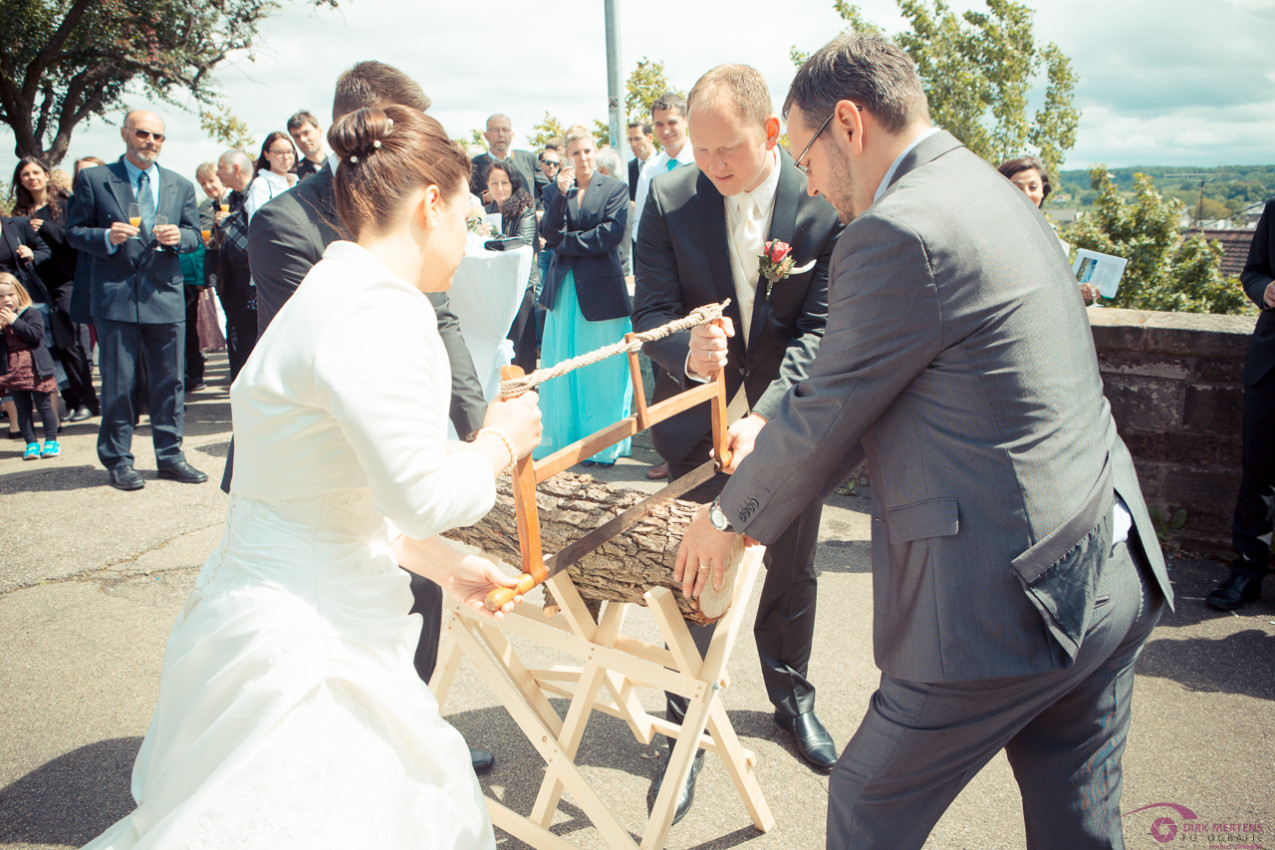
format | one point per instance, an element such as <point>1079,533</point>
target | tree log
<point>570,505</point>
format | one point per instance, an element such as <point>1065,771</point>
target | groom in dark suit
<point>1016,573</point>
<point>702,233</point>
<point>288,236</point>
<point>138,294</point>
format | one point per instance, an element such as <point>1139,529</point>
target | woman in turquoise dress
<point>585,220</point>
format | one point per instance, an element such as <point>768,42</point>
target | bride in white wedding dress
<point>290,715</point>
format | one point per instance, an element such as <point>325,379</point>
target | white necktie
<point>749,240</point>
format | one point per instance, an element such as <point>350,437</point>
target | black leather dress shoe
<point>686,797</point>
<point>813,742</point>
<point>1234,592</point>
<point>79,415</point>
<point>183,472</point>
<point>483,761</point>
<point>124,477</point>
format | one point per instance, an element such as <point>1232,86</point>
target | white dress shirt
<point>656,165</point>
<point>745,247</point>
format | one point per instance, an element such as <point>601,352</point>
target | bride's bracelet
<point>509,444</point>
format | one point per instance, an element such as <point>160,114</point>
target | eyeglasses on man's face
<point>143,135</point>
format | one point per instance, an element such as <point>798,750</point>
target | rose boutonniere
<point>776,262</point>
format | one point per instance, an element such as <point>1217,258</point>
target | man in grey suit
<point>138,294</point>
<point>703,230</point>
<point>1016,573</point>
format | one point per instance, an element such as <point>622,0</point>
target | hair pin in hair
<point>389,124</point>
<point>354,159</point>
<point>376,143</point>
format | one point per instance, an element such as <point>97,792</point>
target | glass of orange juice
<point>135,216</point>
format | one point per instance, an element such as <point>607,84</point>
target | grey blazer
<point>958,352</point>
<point>136,283</point>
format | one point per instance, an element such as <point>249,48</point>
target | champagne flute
<point>160,221</point>
<point>135,217</point>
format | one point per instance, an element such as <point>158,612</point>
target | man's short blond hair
<point>741,86</point>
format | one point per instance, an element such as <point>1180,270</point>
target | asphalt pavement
<point>92,578</point>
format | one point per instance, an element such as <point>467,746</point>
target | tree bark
<point>570,506</point>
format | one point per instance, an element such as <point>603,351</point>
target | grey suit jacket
<point>136,283</point>
<point>958,351</point>
<point>287,237</point>
<point>683,262</point>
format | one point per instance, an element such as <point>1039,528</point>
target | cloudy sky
<point>1189,83</point>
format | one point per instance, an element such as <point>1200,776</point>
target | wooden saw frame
<point>609,666</point>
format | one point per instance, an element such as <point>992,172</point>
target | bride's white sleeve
<point>384,376</point>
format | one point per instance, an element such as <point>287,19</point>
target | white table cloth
<point>485,296</point>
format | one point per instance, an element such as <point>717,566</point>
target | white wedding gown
<point>290,715</point>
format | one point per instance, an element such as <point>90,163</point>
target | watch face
<point>717,518</point>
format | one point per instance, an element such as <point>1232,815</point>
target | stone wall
<point>1173,380</point>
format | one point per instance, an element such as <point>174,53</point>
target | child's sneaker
<point>32,452</point>
<point>51,449</point>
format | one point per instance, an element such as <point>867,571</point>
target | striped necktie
<point>146,201</point>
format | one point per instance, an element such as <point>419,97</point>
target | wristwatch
<point>717,518</point>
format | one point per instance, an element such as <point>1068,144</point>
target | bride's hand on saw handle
<point>516,420</point>
<point>466,576</point>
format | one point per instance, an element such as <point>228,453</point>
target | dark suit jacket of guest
<point>285,240</point>
<point>58,271</point>
<point>635,168</point>
<point>16,231</point>
<point>586,239</point>
<point>137,283</point>
<point>683,262</point>
<point>29,327</point>
<point>959,355</point>
<point>526,163</point>
<point>1259,271</point>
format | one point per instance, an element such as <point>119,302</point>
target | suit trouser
<point>785,624</point>
<point>427,600</point>
<point>77,364</point>
<point>1063,731</point>
<point>194,366</point>
<point>1257,479</point>
<point>120,345</point>
<point>236,295</point>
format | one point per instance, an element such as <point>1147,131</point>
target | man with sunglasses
<point>1016,572</point>
<point>137,294</point>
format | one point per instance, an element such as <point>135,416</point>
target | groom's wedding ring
<point>703,568</point>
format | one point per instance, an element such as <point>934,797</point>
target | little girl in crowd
<point>26,367</point>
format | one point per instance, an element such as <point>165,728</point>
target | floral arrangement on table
<point>476,221</point>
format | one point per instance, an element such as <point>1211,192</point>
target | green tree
<point>978,69</point>
<point>1165,271</point>
<point>644,86</point>
<point>224,126</point>
<point>545,130</point>
<point>63,61</point>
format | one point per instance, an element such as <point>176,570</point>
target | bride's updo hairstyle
<point>386,154</point>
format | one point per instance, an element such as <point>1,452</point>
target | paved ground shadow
<point>73,798</point>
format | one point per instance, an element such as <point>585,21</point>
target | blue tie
<point>672,163</point>
<point>146,201</point>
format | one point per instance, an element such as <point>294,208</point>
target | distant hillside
<point>1227,189</point>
